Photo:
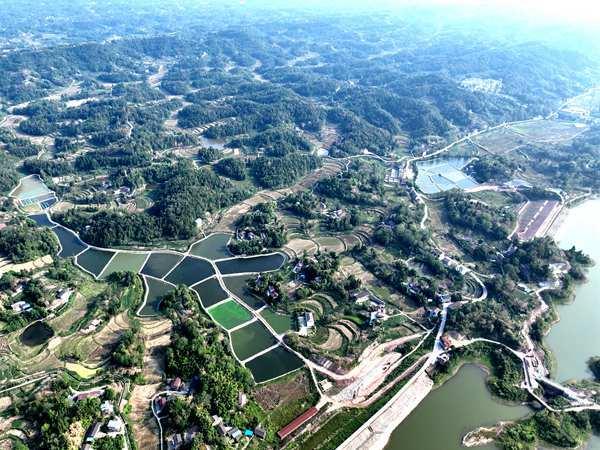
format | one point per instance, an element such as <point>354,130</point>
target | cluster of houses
<point>111,425</point>
<point>376,305</point>
<point>235,433</point>
<point>60,298</point>
<point>178,440</point>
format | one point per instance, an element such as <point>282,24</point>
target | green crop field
<point>230,314</point>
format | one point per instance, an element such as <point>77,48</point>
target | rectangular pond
<point>210,292</point>
<point>442,174</point>
<point>250,340</point>
<point>125,262</point>
<point>230,314</point>
<point>273,364</point>
<point>251,264</point>
<point>70,243</point>
<point>94,260</point>
<point>190,271</point>
<point>281,323</point>
<point>238,286</point>
<point>156,290</point>
<point>41,220</point>
<point>213,247</point>
<point>159,264</point>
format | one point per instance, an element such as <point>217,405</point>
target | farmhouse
<point>306,322</point>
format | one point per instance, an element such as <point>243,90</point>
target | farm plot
<point>229,314</point>
<point>250,340</point>
<point>210,292</point>
<point>156,290</point>
<point>281,323</point>
<point>94,260</point>
<point>159,264</point>
<point>213,247</point>
<point>273,364</point>
<point>301,246</point>
<point>190,271</point>
<point>549,130</point>
<point>238,286</point>
<point>500,141</point>
<point>125,262</point>
<point>330,244</point>
<point>334,341</point>
<point>263,263</point>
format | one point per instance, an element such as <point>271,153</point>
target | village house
<point>107,408</point>
<point>176,384</point>
<point>93,432</point>
<point>306,322</point>
<point>88,394</point>
<point>260,432</point>
<point>160,404</point>
<point>360,296</point>
<point>115,425</point>
<point>20,307</point>
<point>235,433</point>
<point>242,399</point>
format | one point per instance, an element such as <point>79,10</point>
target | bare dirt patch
<point>145,428</point>
<point>334,341</point>
<point>273,395</point>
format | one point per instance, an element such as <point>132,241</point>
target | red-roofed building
<point>297,422</point>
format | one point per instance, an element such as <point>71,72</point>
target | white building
<point>306,322</point>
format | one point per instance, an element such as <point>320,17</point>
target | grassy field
<point>81,371</point>
<point>230,314</point>
<point>549,130</point>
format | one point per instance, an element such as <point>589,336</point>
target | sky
<point>585,12</point>
<point>573,11</point>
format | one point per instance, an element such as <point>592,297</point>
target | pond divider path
<point>192,269</point>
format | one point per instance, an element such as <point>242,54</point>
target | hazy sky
<point>587,11</point>
<point>564,11</point>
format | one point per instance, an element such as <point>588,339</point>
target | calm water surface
<point>577,336</point>
<point>449,412</point>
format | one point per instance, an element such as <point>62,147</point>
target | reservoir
<point>575,338</point>
<point>462,404</point>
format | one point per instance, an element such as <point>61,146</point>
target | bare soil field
<point>334,341</point>
<point>145,428</point>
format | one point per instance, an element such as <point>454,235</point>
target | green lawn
<point>230,314</point>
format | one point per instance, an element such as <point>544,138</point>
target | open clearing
<point>550,130</point>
